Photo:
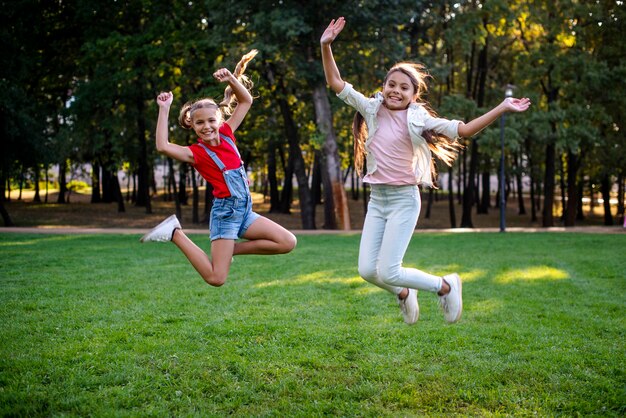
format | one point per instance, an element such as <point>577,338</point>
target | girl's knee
<point>288,243</point>
<point>389,275</point>
<point>214,279</point>
<point>368,272</point>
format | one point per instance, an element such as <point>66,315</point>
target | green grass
<point>101,325</point>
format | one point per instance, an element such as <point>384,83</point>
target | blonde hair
<point>444,148</point>
<point>227,105</point>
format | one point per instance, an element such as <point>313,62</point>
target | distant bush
<point>77,185</point>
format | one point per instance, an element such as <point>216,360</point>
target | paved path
<point>139,231</point>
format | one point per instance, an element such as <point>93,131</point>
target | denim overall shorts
<point>231,216</point>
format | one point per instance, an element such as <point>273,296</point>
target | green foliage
<point>77,185</point>
<point>81,82</point>
<point>91,328</point>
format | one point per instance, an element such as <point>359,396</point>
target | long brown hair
<point>444,148</point>
<point>227,105</point>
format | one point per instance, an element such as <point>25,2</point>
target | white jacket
<point>418,120</point>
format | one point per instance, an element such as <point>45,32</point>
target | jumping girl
<point>216,158</point>
<point>397,142</point>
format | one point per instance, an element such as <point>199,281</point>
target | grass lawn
<point>101,325</point>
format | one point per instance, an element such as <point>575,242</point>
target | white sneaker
<point>163,232</point>
<point>409,307</point>
<point>452,303</point>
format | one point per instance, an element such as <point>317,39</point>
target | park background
<point>80,80</point>
<point>95,324</point>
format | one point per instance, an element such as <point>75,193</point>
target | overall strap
<point>214,157</point>
<point>232,144</point>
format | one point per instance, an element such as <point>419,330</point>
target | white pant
<point>392,214</point>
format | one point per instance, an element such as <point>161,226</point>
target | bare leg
<point>265,237</point>
<point>445,288</point>
<point>214,273</point>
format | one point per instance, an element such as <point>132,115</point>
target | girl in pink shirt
<point>398,134</point>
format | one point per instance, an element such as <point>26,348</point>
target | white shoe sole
<point>164,222</point>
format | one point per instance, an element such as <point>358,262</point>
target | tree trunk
<point>195,215</point>
<point>37,197</point>
<point>520,186</point>
<point>592,196</point>
<point>332,163</point>
<point>451,198</point>
<point>562,188</point>
<point>548,188</point>
<point>605,187</point>
<point>469,187</point>
<point>143,166</point>
<point>538,193</point>
<point>6,218</point>
<point>133,197</point>
<point>354,182</point>
<point>307,208</point>
<point>573,164</point>
<point>552,94</point>
<point>115,181</point>
<point>271,178</point>
<point>62,182</point>
<point>108,194</point>
<point>47,183</point>
<point>429,204</point>
<point>533,181</point>
<point>620,198</point>
<point>172,181</point>
<point>129,176</point>
<point>533,207</point>
<point>580,214</point>
<point>316,179</point>
<point>469,194</point>
<point>21,186</point>
<point>95,183</point>
<point>3,187</point>
<point>330,220</point>
<point>286,196</point>
<point>182,184</point>
<point>485,199</point>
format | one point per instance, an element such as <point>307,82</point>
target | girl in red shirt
<point>216,158</point>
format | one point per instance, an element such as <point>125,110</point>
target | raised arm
<point>333,77</point>
<point>244,98</point>
<point>508,105</point>
<point>163,145</point>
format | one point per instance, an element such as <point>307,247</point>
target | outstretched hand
<point>333,29</point>
<point>516,105</point>
<point>223,74</point>
<point>164,99</point>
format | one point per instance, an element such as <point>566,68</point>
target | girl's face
<point>398,91</point>
<point>205,121</point>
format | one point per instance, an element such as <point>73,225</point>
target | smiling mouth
<point>391,101</point>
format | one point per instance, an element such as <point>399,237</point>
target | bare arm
<point>244,98</point>
<point>163,145</point>
<point>333,77</point>
<point>476,125</point>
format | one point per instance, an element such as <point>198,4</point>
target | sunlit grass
<point>103,326</point>
<point>533,273</point>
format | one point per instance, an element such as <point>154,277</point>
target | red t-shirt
<point>207,167</point>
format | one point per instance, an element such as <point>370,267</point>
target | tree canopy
<point>80,80</point>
